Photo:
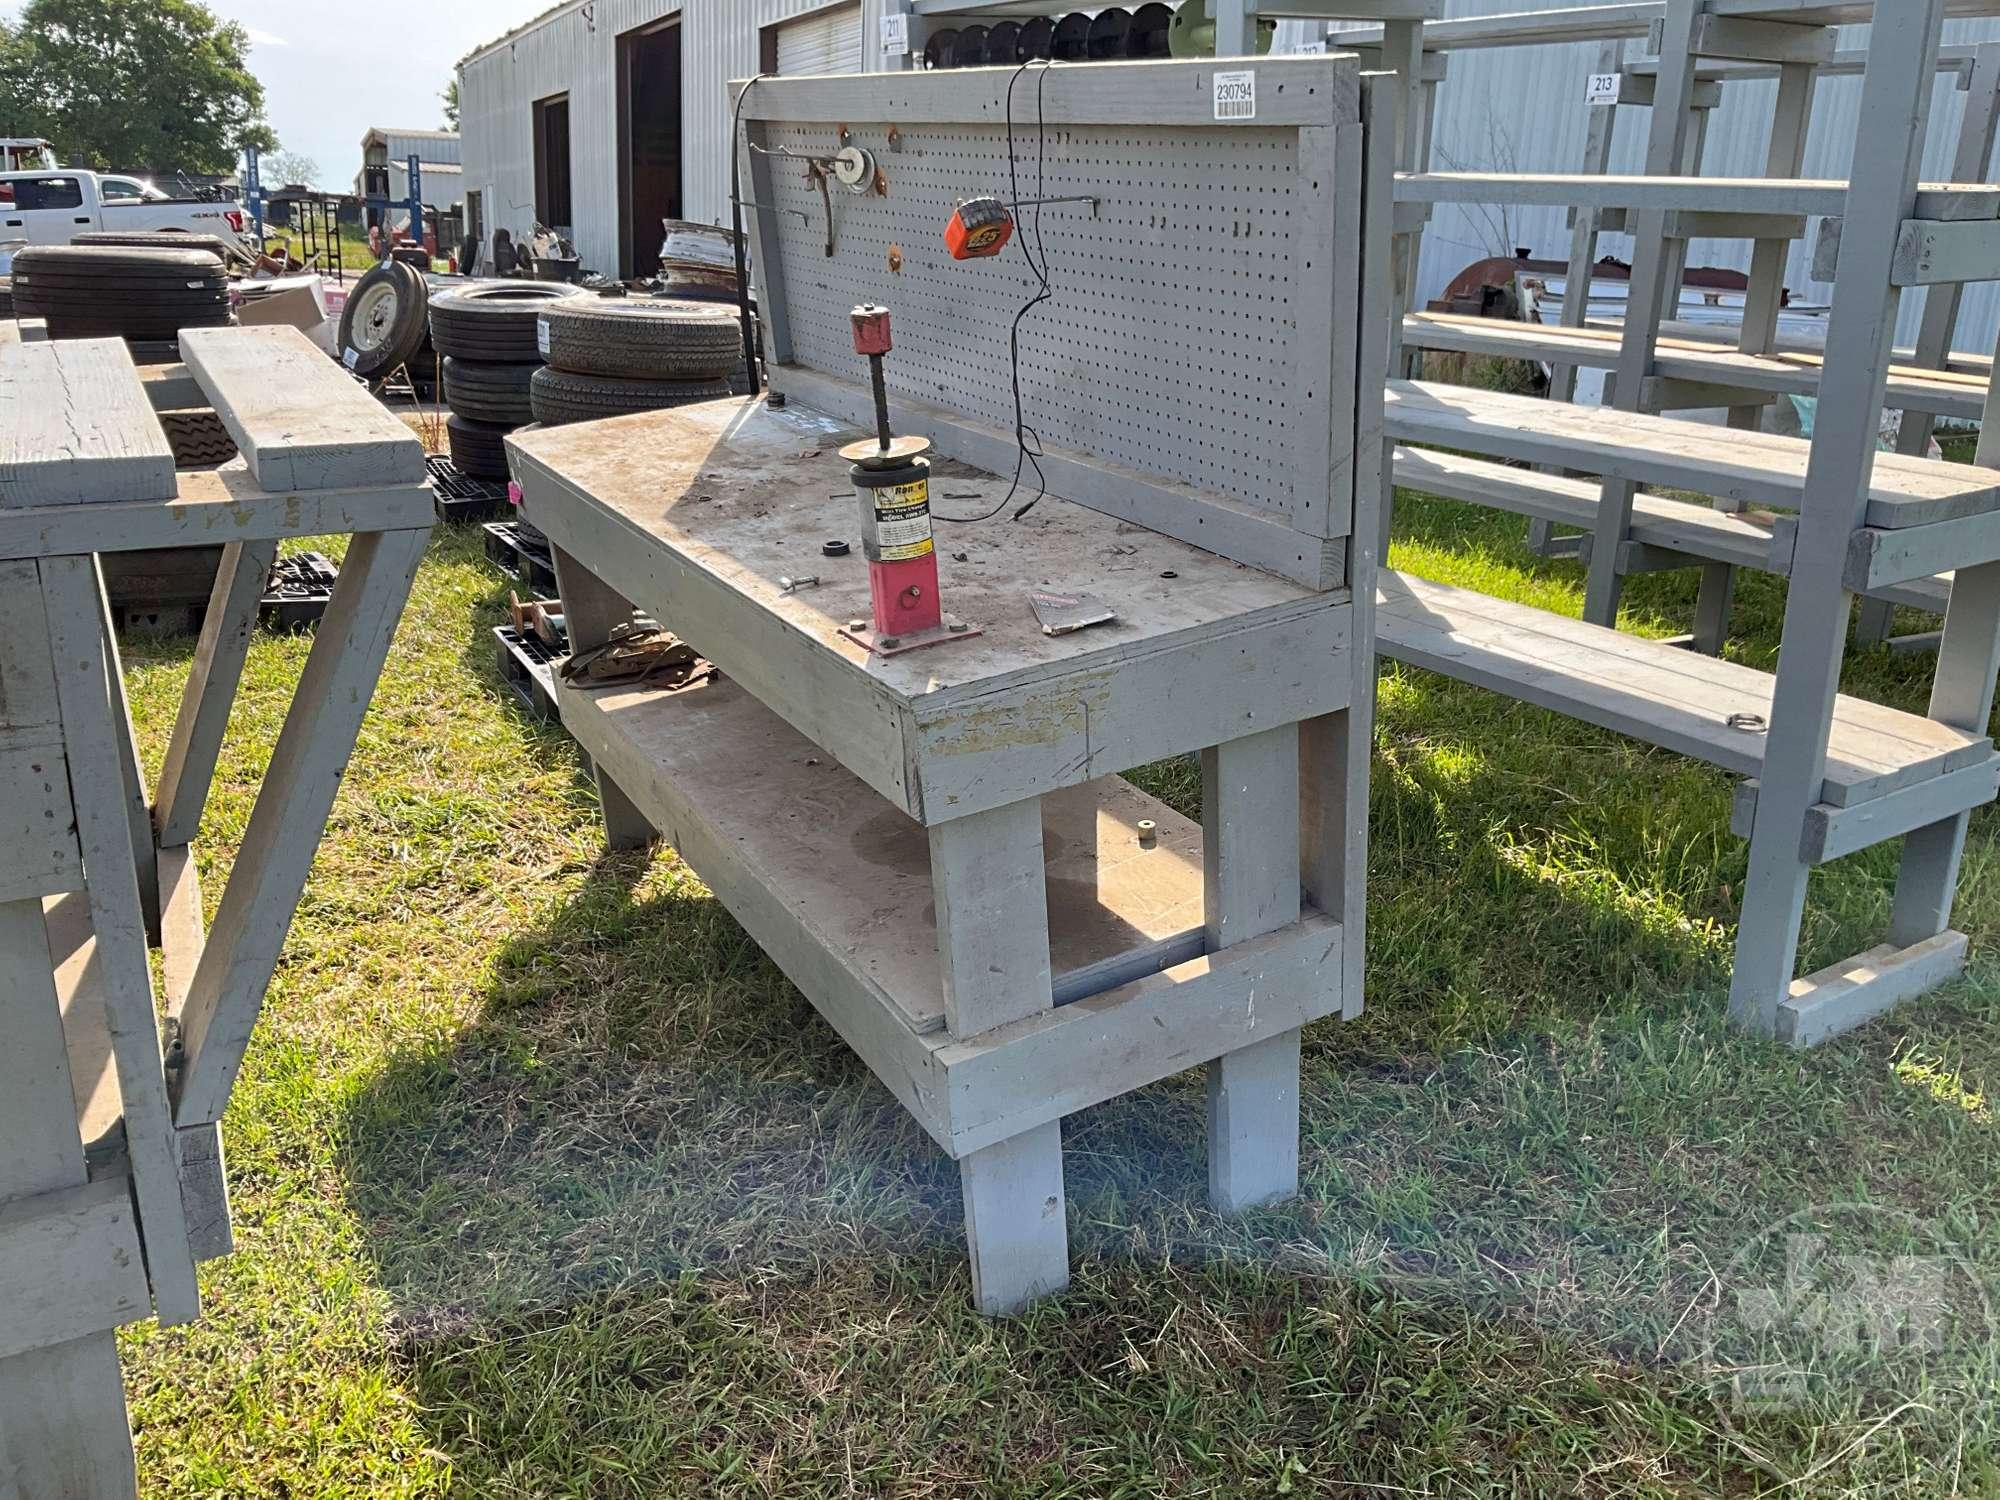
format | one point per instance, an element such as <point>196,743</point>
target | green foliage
<point>133,83</point>
<point>450,97</point>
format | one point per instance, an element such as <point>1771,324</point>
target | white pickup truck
<point>51,207</point>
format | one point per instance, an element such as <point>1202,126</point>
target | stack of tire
<point>385,327</point>
<point>610,357</point>
<point>116,291</point>
<point>156,239</point>
<point>488,335</point>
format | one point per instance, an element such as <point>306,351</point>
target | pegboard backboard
<point>1193,367</point>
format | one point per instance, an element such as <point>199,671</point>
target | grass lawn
<point>548,1184</point>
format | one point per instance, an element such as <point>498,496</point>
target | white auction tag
<point>1236,96</point>
<point>1604,88</point>
<point>352,358</point>
<point>542,336</point>
<point>1312,49</point>
<point>895,34</point>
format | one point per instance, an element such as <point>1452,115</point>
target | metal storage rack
<point>111,1177</point>
<point>1825,775</point>
<point>936,847</point>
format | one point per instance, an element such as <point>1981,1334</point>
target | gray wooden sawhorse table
<point>111,1173</point>
<point>936,847</point>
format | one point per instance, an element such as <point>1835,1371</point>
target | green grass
<point>548,1184</point>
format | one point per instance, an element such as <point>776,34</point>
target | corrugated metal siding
<point>575,52</point>
<point>826,41</point>
<point>1521,109</point>
<point>428,148</point>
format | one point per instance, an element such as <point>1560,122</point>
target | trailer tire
<point>477,448</point>
<point>561,397</point>
<point>632,338</point>
<point>158,239</point>
<point>489,393</point>
<point>382,327</point>
<point>495,322</point>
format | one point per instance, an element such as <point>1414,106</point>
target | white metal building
<point>614,114</point>
<point>437,153</point>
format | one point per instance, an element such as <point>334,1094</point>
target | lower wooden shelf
<point>834,883</point>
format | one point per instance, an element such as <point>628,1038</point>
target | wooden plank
<point>72,593</point>
<point>591,612</point>
<point>1738,195</point>
<point>210,693</point>
<point>992,917</point>
<point>172,388</point>
<point>1056,1063</point>
<point>38,849</point>
<point>70,1265</point>
<point>1879,560</point>
<point>1946,254</point>
<point>1746,40</point>
<point>211,506</point>
<point>292,806</point>
<point>1015,1227</point>
<point>204,1180</point>
<point>1836,832</point>
<point>1300,91</point>
<point>1742,538</point>
<point>1656,693</point>
<point>966,726</point>
<point>76,427</point>
<point>1855,991</point>
<point>298,420</point>
<point>1107,894</point>
<point>1250,862</point>
<point>1751,467</point>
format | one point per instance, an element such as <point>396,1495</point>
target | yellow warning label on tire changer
<point>903,522</point>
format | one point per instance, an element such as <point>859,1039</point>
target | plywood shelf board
<point>59,447</point>
<point>859,868</point>
<point>1657,693</point>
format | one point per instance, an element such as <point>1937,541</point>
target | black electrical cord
<point>736,223</point>
<point>1026,456</point>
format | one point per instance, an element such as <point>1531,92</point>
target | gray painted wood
<point>591,611</point>
<point>1015,1226</point>
<point>1250,844</point>
<point>1835,832</point>
<point>1856,991</point>
<point>1652,691</point>
<point>172,388</point>
<point>72,594</point>
<point>70,1265</point>
<point>1860,331</point>
<point>992,917</point>
<point>959,728</point>
<point>58,450</point>
<point>183,935</point>
<point>224,645</point>
<point>138,811</point>
<point>224,504</point>
<point>63,1421</point>
<point>1752,467</point>
<point>292,806</point>
<point>1736,195</point>
<point>299,421</point>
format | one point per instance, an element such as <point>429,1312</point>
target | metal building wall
<point>1521,110</point>
<point>575,51</point>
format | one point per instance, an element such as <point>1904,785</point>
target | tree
<point>159,84</point>
<point>286,168</point>
<point>451,104</point>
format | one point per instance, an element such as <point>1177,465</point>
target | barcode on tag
<point>1236,96</point>
<point>895,34</point>
<point>1604,88</point>
<point>351,358</point>
<point>542,336</point>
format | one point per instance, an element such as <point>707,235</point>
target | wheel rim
<point>374,317</point>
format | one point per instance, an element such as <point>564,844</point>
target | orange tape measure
<point>978,227</point>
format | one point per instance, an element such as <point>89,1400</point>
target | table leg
<point>591,610</point>
<point>63,1429</point>
<point>993,956</point>
<point>1250,855</point>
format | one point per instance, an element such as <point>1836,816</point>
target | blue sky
<point>332,71</point>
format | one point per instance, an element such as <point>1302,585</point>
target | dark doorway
<point>649,141</point>
<point>552,179</point>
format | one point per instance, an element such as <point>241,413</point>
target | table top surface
<point>749,495</point>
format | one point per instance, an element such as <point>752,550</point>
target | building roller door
<point>827,41</point>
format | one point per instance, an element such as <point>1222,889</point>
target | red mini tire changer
<point>892,482</point>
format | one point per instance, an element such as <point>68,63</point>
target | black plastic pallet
<point>529,668</point>
<point>300,589</point>
<point>460,497</point>
<point>514,554</point>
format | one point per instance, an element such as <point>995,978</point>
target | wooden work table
<point>936,846</point>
